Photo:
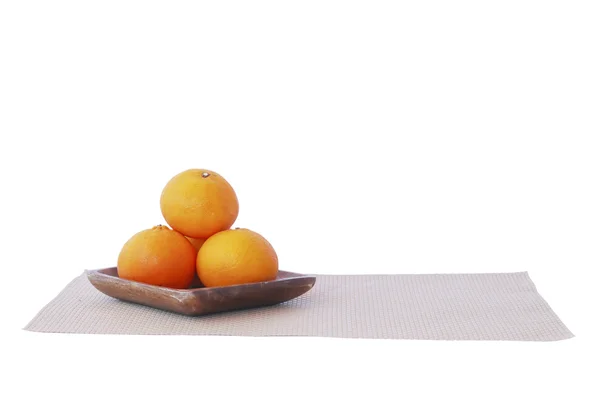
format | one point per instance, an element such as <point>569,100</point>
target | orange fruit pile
<point>200,207</point>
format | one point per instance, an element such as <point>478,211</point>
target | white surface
<point>360,137</point>
<point>489,306</point>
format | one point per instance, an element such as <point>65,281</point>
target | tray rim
<point>100,272</point>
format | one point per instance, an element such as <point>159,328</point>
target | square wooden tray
<point>199,300</point>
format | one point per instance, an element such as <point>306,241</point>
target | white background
<point>360,136</point>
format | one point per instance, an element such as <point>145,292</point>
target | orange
<point>197,243</point>
<point>234,257</point>
<point>158,256</point>
<point>199,203</point>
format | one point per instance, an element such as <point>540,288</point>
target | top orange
<point>199,203</point>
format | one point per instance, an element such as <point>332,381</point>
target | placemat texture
<point>502,306</point>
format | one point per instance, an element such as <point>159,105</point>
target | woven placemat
<point>503,306</point>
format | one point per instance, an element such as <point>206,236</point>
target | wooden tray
<point>199,300</point>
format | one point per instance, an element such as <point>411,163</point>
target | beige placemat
<point>503,306</point>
